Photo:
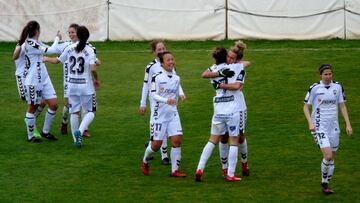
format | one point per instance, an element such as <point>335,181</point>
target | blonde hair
<point>238,49</point>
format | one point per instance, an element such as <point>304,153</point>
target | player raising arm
<point>82,70</point>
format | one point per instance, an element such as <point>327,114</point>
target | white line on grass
<point>208,50</point>
<point>248,50</point>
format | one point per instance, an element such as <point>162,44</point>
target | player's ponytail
<point>83,35</point>
<point>30,30</point>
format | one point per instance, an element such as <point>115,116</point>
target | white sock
<point>175,156</point>
<point>87,119</point>
<point>83,114</point>
<point>148,153</point>
<point>224,153</point>
<point>205,155</point>
<point>38,111</point>
<point>65,115</point>
<point>233,154</point>
<point>74,120</point>
<point>164,148</point>
<point>331,170</point>
<point>30,124</point>
<point>49,118</point>
<point>244,151</point>
<point>324,170</point>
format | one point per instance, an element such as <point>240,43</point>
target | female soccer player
<point>226,118</point>
<point>154,67</point>
<point>164,115</point>
<point>82,69</point>
<point>60,48</point>
<point>37,82</point>
<point>235,55</point>
<point>325,97</point>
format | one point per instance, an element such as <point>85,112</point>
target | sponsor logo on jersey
<point>224,99</point>
<point>329,101</point>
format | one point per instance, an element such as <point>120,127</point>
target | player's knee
<point>155,145</point>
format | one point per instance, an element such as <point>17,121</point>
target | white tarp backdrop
<point>185,19</point>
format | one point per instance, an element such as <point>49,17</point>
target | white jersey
<point>80,78</point>
<point>35,72</point>
<point>324,100</point>
<point>164,86</point>
<point>227,102</point>
<point>153,68</point>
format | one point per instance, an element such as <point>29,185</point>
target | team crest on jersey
<point>334,92</point>
<point>162,89</point>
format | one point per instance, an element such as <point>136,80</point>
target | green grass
<point>284,162</point>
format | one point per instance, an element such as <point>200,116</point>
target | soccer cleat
<point>199,175</point>
<point>48,136</point>
<point>166,161</point>
<point>86,134</point>
<point>35,140</point>
<point>63,129</point>
<point>177,173</point>
<point>77,135</point>
<point>37,133</point>
<point>245,169</point>
<point>145,168</point>
<point>326,189</point>
<point>232,179</point>
<point>225,172</point>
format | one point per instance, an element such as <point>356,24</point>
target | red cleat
<point>145,168</point>
<point>225,172</point>
<point>86,134</point>
<point>232,179</point>
<point>245,169</point>
<point>199,175</point>
<point>177,173</point>
<point>326,189</point>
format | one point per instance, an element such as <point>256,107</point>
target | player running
<point>325,97</point>
<point>165,120</point>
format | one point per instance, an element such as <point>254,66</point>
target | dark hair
<point>154,43</point>
<point>30,30</point>
<point>219,54</point>
<point>238,49</point>
<point>324,67</point>
<point>161,55</point>
<point>74,25</point>
<point>83,34</point>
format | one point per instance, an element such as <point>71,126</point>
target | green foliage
<point>284,161</point>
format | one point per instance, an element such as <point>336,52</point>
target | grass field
<point>284,161</point>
